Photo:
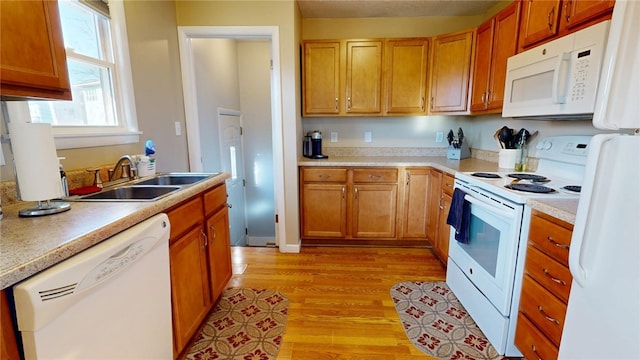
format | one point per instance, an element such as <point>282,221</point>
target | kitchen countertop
<point>438,162</point>
<point>30,245</point>
<point>563,209</point>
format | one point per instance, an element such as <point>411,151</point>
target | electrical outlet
<point>367,136</point>
<point>334,136</point>
<point>439,136</point>
<point>178,128</point>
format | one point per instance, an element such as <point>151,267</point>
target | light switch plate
<point>334,136</point>
<point>439,136</point>
<point>178,128</point>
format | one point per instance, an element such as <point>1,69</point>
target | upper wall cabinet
<point>544,20</point>
<point>342,77</point>
<point>406,76</point>
<point>450,72</point>
<point>496,41</point>
<point>32,56</point>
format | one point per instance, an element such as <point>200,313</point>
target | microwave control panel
<point>580,74</point>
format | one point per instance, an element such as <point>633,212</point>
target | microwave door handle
<point>488,207</point>
<point>555,86</point>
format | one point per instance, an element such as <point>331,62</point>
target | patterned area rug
<point>437,323</point>
<point>245,324</point>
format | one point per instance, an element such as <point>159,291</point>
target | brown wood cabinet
<point>348,203</point>
<point>440,193</point>
<point>406,62</point>
<point>416,203</point>
<point>496,41</point>
<point>450,72</point>
<point>342,77</point>
<point>375,199</point>
<point>33,62</point>
<point>546,286</point>
<point>200,260</point>
<point>8,344</point>
<point>544,20</point>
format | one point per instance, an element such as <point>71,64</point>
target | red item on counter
<point>84,190</point>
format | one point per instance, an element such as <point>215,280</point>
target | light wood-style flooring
<point>339,302</point>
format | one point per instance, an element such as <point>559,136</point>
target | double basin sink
<point>148,188</point>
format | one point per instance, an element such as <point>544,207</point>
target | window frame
<point>127,132</point>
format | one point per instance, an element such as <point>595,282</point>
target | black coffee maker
<point>312,145</point>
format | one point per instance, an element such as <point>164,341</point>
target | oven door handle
<point>494,209</point>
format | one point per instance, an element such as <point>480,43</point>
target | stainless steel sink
<point>147,189</point>
<point>132,193</point>
<point>174,179</point>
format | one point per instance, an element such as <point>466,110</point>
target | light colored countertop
<point>30,245</point>
<point>563,209</point>
<point>438,162</point>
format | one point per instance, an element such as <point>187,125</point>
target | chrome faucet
<point>132,168</point>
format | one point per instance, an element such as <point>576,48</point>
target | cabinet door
<point>482,67</point>
<point>505,39</point>
<point>190,294</point>
<point>8,343</point>
<point>406,76</point>
<point>32,59</point>
<point>435,200</point>
<point>364,77</point>
<point>442,243</point>
<point>323,210</point>
<point>578,12</point>
<point>219,250</point>
<point>416,204</point>
<point>374,210</point>
<point>321,78</point>
<point>450,72</point>
<point>539,21</point>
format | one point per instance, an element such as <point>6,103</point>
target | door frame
<point>185,34</point>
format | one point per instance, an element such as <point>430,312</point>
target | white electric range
<point>485,272</point>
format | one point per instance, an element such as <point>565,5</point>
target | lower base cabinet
<point>200,260</point>
<point>440,193</point>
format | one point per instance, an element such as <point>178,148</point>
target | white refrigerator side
<point>618,98</point>
<point>603,313</point>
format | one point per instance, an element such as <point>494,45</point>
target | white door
<point>232,162</point>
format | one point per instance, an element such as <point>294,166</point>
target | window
<point>102,110</point>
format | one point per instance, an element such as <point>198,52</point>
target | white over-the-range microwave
<point>559,79</point>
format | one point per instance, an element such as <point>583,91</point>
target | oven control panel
<point>571,149</point>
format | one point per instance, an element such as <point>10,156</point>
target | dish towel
<point>460,215</point>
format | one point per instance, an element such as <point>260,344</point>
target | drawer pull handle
<point>549,318</point>
<point>552,278</point>
<point>557,244</point>
<point>373,176</point>
<point>533,348</point>
<point>324,176</point>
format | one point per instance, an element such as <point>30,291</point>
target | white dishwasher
<point>111,301</point>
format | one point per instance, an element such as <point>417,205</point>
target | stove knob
<point>544,145</point>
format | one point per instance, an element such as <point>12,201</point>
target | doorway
<point>199,122</point>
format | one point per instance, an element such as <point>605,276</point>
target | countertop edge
<point>140,211</point>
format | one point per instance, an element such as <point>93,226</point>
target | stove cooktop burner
<point>572,188</point>
<point>532,177</point>
<point>486,175</point>
<point>530,188</point>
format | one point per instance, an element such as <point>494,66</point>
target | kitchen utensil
<point>460,136</point>
<point>506,136</point>
<point>496,136</point>
<point>450,137</point>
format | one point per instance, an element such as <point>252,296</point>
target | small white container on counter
<point>507,158</point>
<point>146,166</point>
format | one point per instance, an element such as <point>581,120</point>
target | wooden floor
<point>339,302</point>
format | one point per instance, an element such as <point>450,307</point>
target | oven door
<point>489,258</point>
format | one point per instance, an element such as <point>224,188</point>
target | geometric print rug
<point>436,322</point>
<point>244,324</point>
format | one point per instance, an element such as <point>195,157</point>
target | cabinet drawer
<point>447,184</point>
<point>551,238</point>
<point>185,216</point>
<point>324,174</point>
<point>549,273</point>
<point>543,309</point>
<point>215,199</point>
<point>531,342</point>
<point>375,175</point>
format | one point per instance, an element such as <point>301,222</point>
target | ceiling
<point>392,8</point>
